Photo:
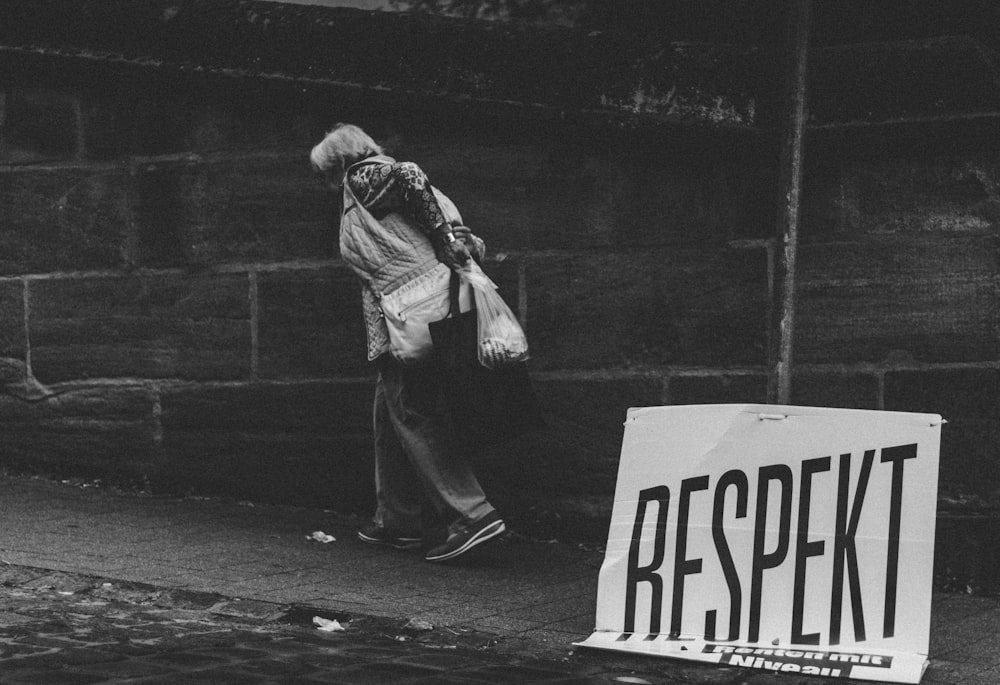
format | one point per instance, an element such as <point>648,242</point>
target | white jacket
<point>384,253</point>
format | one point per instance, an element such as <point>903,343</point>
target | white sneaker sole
<point>398,543</point>
<point>487,533</point>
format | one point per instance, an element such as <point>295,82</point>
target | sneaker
<point>468,537</point>
<point>390,537</point>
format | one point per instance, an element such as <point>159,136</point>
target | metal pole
<point>782,305</point>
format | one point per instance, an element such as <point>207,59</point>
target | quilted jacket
<point>384,254</point>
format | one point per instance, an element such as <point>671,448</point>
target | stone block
<point>308,444</point>
<point>317,408</point>
<point>58,219</point>
<point>955,393</point>
<point>717,388</point>
<point>967,398</point>
<point>908,299</point>
<point>12,337</point>
<point>127,115</point>
<point>893,196</point>
<point>154,112</point>
<point>101,432</point>
<point>619,201</point>
<point>832,389</point>
<point>248,115</point>
<point>142,326</point>
<point>892,80</point>
<point>650,307</point>
<point>310,324</point>
<point>234,208</point>
<point>309,471</point>
<point>969,466</point>
<point>39,124</point>
<point>967,553</point>
<point>160,207</point>
<point>502,215</point>
<point>593,407</point>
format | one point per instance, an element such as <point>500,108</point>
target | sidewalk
<point>534,597</point>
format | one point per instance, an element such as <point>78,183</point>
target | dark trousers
<point>419,473</point>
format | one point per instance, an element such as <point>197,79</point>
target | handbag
<point>409,308</point>
<point>488,406</point>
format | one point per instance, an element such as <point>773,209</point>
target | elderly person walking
<point>421,479</point>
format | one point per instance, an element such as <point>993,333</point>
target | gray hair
<point>342,147</point>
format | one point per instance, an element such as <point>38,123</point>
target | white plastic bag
<point>501,340</point>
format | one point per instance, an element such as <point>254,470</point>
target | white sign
<point>790,539</point>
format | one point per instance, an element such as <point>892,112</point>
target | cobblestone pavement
<point>67,628</point>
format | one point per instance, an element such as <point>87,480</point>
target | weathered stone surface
<point>311,471</point>
<point>921,298</point>
<point>966,559</point>
<point>322,408</point>
<point>593,407</point>
<point>157,326</point>
<point>603,202</point>
<point>836,389</point>
<point>969,470</point>
<point>234,209</point>
<point>59,219</point>
<point>599,71</point>
<point>717,388</point>
<point>123,116</point>
<point>39,125</point>
<point>152,112</point>
<point>672,68</point>
<point>12,338</point>
<point>165,214</point>
<point>311,324</point>
<point>958,393</point>
<point>98,403</point>
<point>304,443</point>
<point>893,81</point>
<point>945,195</point>
<point>102,432</point>
<point>647,308</point>
<point>967,398</point>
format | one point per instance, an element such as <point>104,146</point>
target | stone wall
<point>175,315</point>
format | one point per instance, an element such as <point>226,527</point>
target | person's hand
<point>475,244</point>
<point>453,254</point>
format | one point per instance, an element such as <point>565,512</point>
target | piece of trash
<point>418,624</point>
<point>630,679</point>
<point>328,625</point>
<point>320,536</point>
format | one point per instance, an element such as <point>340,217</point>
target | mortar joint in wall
<point>253,294</point>
<point>157,417</point>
